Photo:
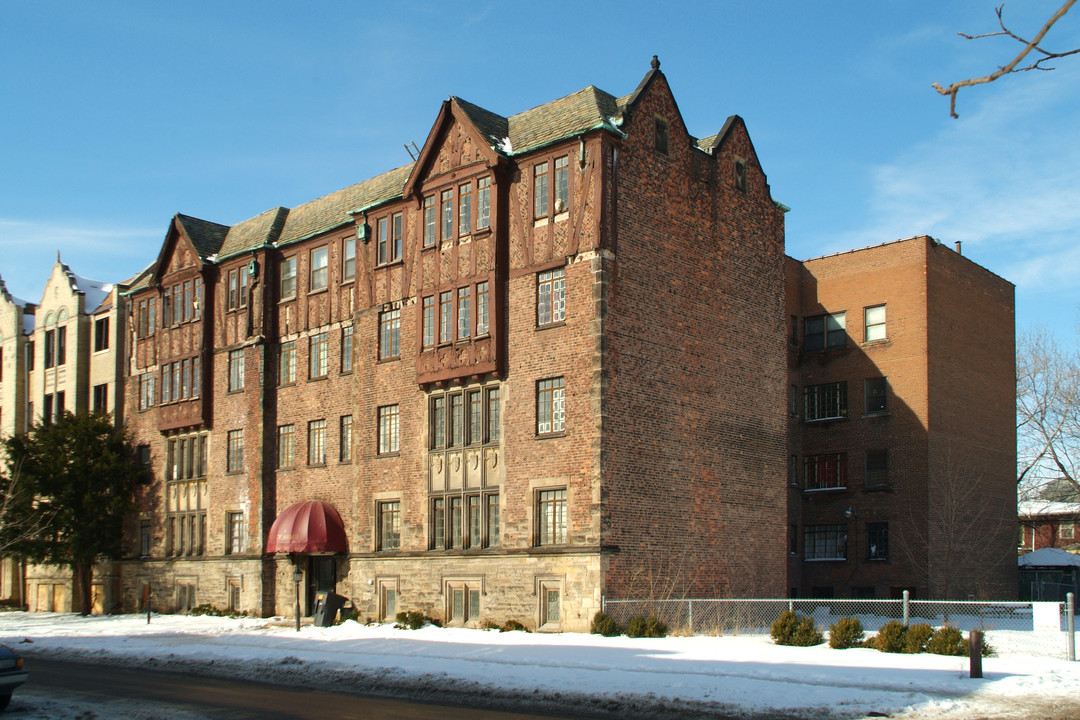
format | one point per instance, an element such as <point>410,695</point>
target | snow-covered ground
<point>620,677</point>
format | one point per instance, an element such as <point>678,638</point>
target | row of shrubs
<point>894,637</point>
<point>637,626</point>
<point>413,620</point>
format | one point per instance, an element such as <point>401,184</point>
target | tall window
<point>61,345</point>
<point>166,307</point>
<point>146,391</point>
<point>551,297</point>
<point>447,202</point>
<point>551,517</point>
<point>101,334</point>
<point>438,422</point>
<point>346,349</point>
<point>187,301</point>
<point>388,429</point>
<point>429,221</point>
<point>397,227</point>
<point>465,209</point>
<point>178,305</point>
<point>234,451</point>
<point>446,317</point>
<point>457,420</point>
<point>287,364</point>
<point>481,308</point>
<point>825,542</point>
<point>428,319</point>
<point>660,135</point>
<point>236,370</point>
<point>824,332</point>
<point>238,292</point>
<point>196,302</point>
<point>320,264</point>
<point>285,446</point>
<point>382,240</point>
<point>825,402</point>
<point>562,184</point>
<point>389,525</point>
<point>877,469</point>
<point>483,203</point>
<point>540,190</point>
<point>50,348</point>
<point>876,395</point>
<point>288,278</point>
<point>549,407</point>
<point>874,322</point>
<point>348,259</point>
<point>101,398</point>
<point>316,436</point>
<point>826,472</point>
<point>235,530</point>
<point>464,311</point>
<point>492,502</point>
<point>877,541</point>
<point>389,334</point>
<point>319,356</point>
<point>346,439</point>
<point>493,415</point>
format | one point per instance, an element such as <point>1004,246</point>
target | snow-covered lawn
<point>738,675</point>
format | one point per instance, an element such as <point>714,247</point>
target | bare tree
<point>967,535</point>
<point>21,517</point>
<point>1047,416</point>
<point>1030,46</point>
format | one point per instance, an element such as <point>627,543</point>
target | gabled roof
<point>587,109</point>
<point>206,236</point>
<point>263,229</point>
<point>331,211</point>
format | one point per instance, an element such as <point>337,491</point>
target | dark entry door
<point>320,578</point>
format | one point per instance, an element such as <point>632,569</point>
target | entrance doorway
<point>320,578</point>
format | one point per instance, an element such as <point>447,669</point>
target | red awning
<point>308,527</point>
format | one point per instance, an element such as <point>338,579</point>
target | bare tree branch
<point>1014,66</point>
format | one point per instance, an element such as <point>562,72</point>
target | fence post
<point>975,646</point>
<point>907,597</point>
<point>1070,612</point>
<point>791,606</point>
<point>690,604</point>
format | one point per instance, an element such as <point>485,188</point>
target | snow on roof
<point>95,290</point>
<point>1033,508</point>
<point>1049,557</point>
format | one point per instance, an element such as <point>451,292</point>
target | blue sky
<point>114,116</point>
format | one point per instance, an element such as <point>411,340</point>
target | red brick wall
<point>694,429</point>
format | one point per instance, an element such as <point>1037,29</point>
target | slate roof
<point>333,210</point>
<point>263,229</point>
<point>587,109</point>
<point>206,236</point>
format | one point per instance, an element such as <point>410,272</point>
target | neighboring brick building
<point>903,437</point>
<point>1048,524</point>
<point>62,354</point>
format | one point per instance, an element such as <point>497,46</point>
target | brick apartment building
<point>547,362</point>
<point>902,432</point>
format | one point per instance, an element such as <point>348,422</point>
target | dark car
<point>11,674</point>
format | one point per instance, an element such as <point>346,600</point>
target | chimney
<point>958,248</point>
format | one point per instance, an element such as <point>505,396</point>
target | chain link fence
<point>1009,627</point>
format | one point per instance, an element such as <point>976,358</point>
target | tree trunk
<point>84,577</point>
